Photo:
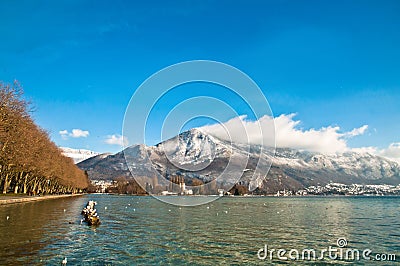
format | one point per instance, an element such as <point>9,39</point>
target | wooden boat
<point>90,213</point>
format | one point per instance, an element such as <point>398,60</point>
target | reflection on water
<point>142,230</point>
<point>33,226</point>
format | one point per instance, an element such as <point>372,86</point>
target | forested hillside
<point>30,162</point>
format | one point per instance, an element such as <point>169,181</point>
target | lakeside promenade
<point>19,199</point>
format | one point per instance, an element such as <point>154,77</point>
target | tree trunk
<point>18,179</point>
<point>25,186</point>
<point>34,186</point>
<point>5,186</point>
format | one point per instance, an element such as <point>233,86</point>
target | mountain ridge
<point>195,155</point>
<point>78,155</point>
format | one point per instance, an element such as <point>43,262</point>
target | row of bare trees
<point>30,162</point>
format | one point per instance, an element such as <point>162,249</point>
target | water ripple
<point>144,231</point>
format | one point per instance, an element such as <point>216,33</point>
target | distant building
<point>168,193</point>
<point>177,187</point>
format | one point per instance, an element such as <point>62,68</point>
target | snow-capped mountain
<point>78,155</point>
<point>191,150</point>
<point>198,156</point>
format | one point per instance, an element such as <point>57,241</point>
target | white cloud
<point>117,140</point>
<point>288,134</point>
<point>79,133</point>
<point>392,152</point>
<point>371,150</point>
<point>63,134</point>
<point>357,131</point>
<point>76,133</point>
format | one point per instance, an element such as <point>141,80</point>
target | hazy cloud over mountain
<point>392,151</point>
<point>116,140</point>
<point>288,133</point>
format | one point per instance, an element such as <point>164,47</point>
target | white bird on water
<point>64,262</point>
<point>8,217</point>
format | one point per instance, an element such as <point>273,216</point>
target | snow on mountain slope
<point>78,155</point>
<point>363,165</point>
<point>191,150</point>
<point>197,155</point>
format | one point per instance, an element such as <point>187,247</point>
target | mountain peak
<point>193,131</point>
<point>197,155</point>
<point>196,131</point>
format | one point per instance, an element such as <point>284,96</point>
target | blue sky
<point>333,63</point>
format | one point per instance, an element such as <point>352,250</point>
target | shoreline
<point>5,200</point>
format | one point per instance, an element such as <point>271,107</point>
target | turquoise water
<point>229,231</point>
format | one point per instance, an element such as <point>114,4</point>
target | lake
<point>232,230</point>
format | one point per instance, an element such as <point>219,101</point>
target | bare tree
<point>30,162</point>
